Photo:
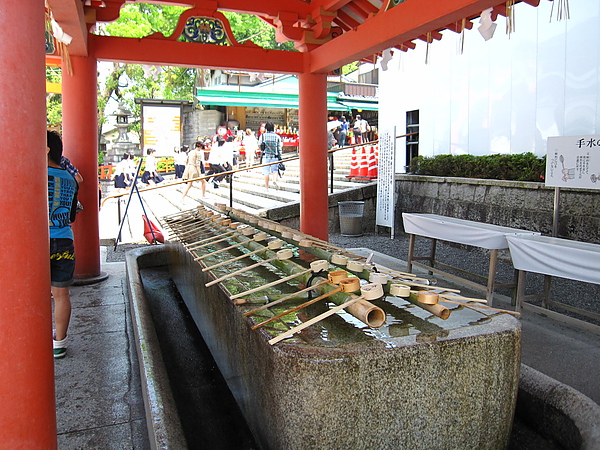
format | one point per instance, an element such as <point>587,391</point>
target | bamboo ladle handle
<point>281,254</point>
<point>315,266</point>
<point>314,320</point>
<point>273,245</point>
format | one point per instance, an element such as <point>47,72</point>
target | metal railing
<point>233,172</point>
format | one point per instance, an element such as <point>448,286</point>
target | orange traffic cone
<point>152,232</point>
<point>353,165</point>
<point>373,165</point>
<point>363,170</point>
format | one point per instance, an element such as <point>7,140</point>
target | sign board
<point>573,161</point>
<point>386,179</point>
<point>161,126</point>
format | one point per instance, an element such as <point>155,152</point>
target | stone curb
<point>557,411</point>
<point>162,419</point>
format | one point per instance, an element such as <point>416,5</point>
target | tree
<point>125,82</point>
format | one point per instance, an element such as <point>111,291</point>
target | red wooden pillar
<point>27,414</point>
<point>80,139</point>
<point>314,201</point>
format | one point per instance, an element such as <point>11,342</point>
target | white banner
<point>162,128</point>
<point>386,179</point>
<point>573,161</point>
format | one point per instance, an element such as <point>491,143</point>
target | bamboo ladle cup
<point>347,284</point>
<point>371,291</point>
<point>281,255</point>
<point>315,266</point>
<point>273,245</point>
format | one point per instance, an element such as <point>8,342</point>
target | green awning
<point>360,105</point>
<point>259,99</point>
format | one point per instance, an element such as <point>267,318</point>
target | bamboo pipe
<point>371,291</point>
<point>400,290</point>
<point>281,254</point>
<point>273,245</point>
<point>351,284</point>
<point>477,305</point>
<point>315,266</point>
<point>246,232</point>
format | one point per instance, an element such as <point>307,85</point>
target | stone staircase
<point>248,192</point>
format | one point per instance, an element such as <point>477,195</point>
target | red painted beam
<point>404,22</point>
<point>186,54</point>
<point>70,16</point>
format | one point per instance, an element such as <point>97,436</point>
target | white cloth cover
<point>557,257</point>
<point>467,232</point>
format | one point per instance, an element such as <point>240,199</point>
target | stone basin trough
<point>416,381</point>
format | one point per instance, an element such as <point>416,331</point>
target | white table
<point>467,232</point>
<point>553,257</point>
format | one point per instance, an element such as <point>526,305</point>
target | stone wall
<point>515,204</point>
<point>508,203</point>
<point>200,123</point>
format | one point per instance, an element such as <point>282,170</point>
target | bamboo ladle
<point>371,291</point>
<point>332,277</point>
<point>281,255</point>
<point>346,284</point>
<point>213,240</point>
<point>273,245</point>
<point>258,237</point>
<point>315,266</point>
<point>197,244</point>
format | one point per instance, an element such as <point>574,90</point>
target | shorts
<point>266,170</point>
<point>62,262</point>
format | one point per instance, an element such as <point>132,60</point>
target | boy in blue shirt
<point>62,189</point>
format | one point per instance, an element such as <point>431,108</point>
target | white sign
<point>386,179</point>
<point>573,161</point>
<point>162,128</point>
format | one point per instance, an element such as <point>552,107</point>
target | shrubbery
<point>521,167</point>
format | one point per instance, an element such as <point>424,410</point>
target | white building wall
<point>505,95</point>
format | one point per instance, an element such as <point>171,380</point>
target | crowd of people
<point>211,157</point>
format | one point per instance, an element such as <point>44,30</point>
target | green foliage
<point>248,27</point>
<point>141,19</point>
<point>53,101</point>
<point>519,167</point>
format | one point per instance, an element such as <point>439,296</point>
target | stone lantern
<point>122,144</point>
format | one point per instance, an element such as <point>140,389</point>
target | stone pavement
<point>98,391</point>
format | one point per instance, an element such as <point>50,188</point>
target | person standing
<point>194,168</point>
<point>251,145</point>
<point>181,157</point>
<point>343,132</point>
<point>361,127</point>
<point>62,200</point>
<point>271,145</point>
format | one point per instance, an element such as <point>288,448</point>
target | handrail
<point>204,177</point>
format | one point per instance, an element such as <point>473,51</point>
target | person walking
<point>62,201</point>
<point>216,161</point>
<point>271,146</point>
<point>194,168</point>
